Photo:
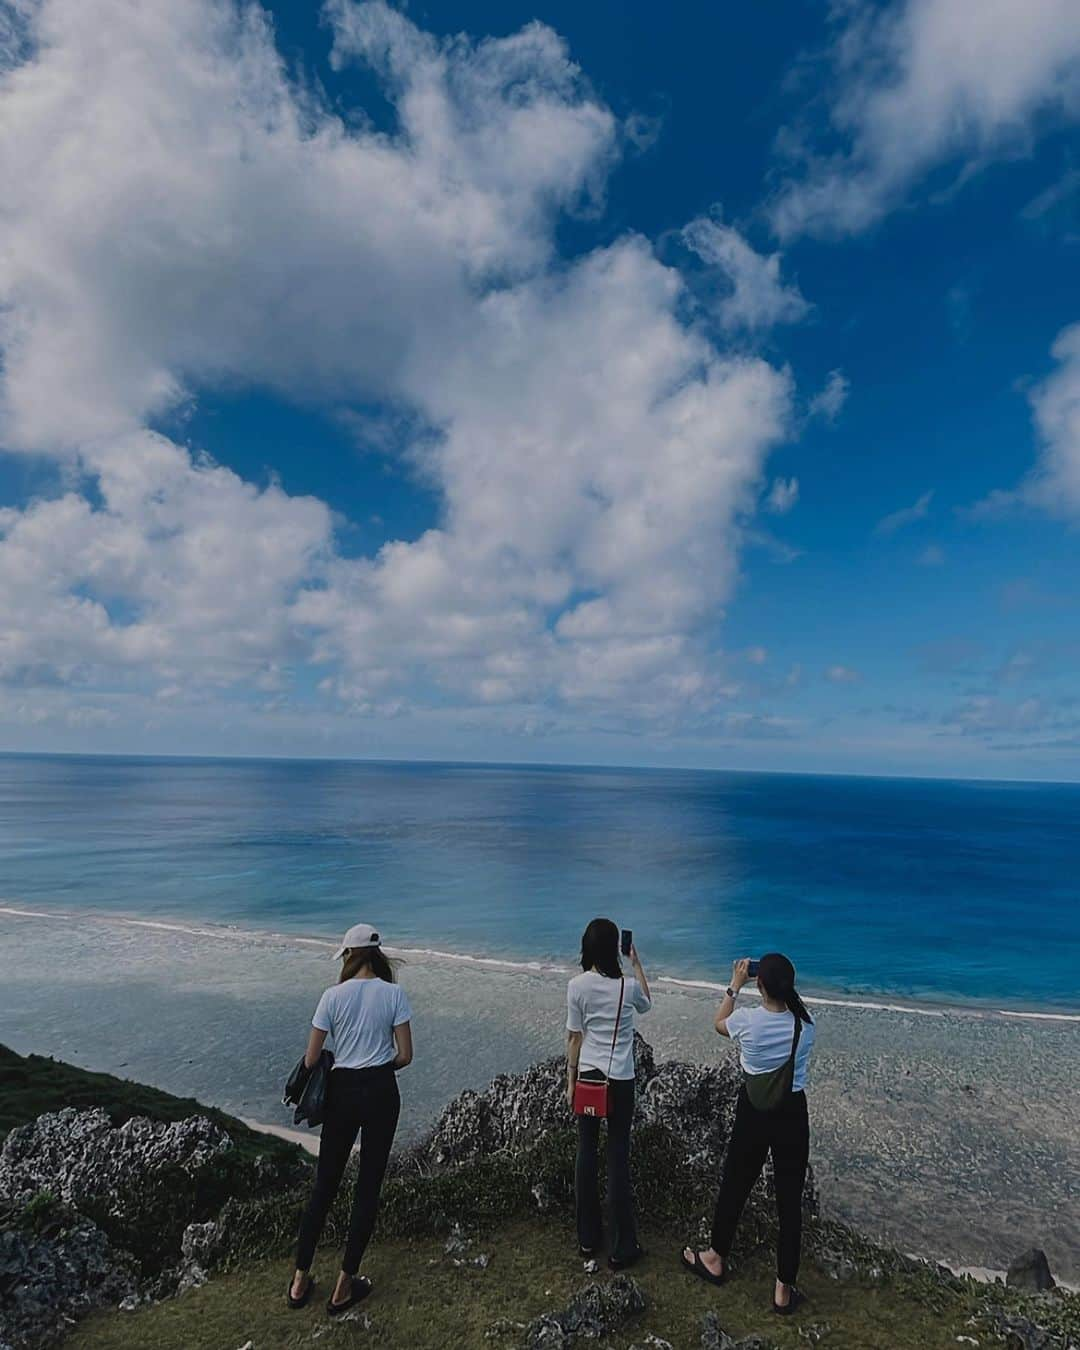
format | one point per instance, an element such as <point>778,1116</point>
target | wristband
<point>732,993</point>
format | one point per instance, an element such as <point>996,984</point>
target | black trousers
<point>620,1195</point>
<point>358,1101</point>
<point>786,1134</point>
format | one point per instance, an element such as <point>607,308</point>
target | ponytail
<point>777,976</point>
<point>796,1005</point>
<point>356,958</point>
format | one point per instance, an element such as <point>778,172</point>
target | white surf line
<point>235,934</point>
<point>818,1000</point>
<point>226,933</point>
<point>504,963</point>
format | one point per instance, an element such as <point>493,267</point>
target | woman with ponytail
<point>367,1017</point>
<point>774,1043</point>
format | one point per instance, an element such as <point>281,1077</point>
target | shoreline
<point>886,1001</point>
<point>307,1141</point>
<point>920,1129</point>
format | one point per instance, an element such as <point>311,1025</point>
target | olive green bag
<point>768,1091</point>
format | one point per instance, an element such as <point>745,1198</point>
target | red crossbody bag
<point>594,1098</point>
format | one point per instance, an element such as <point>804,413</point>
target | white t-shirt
<point>592,1002</point>
<point>360,1016</point>
<point>764,1041</point>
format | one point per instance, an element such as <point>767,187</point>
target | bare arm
<point>740,973</point>
<point>403,1043</point>
<point>573,1054</point>
<point>316,1041</point>
<point>639,971</point>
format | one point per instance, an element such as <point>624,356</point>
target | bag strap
<point>618,1019</point>
<point>795,1046</point>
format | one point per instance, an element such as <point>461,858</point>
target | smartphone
<point>627,941</point>
<point>752,969</point>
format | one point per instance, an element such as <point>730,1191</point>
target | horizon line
<point>526,764</point>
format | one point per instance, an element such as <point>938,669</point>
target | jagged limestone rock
<point>1019,1333</point>
<point>595,1312</point>
<point>47,1281</point>
<point>81,1157</point>
<point>514,1112</point>
<point>693,1103</point>
<point>714,1337</point>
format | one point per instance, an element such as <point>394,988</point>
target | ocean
<point>953,892</point>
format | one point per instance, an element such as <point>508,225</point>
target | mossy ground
<point>422,1300</point>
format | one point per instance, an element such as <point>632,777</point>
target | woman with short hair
<point>601,1003</point>
<point>368,1019</point>
<point>774,1043</point>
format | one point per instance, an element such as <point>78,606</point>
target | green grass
<point>32,1085</point>
<point>423,1302</point>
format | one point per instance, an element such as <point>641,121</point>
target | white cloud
<point>609,492</point>
<point>1048,201</point>
<point>907,515</point>
<point>176,214</point>
<point>782,496</point>
<point>842,675</point>
<point>829,400</point>
<point>181,570</point>
<point>757,656</point>
<point>924,84</point>
<point>1053,485</point>
<point>751,294</point>
<point>1055,403</point>
<point>985,715</point>
<point>179,216</point>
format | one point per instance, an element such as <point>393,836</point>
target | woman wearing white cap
<point>367,1017</point>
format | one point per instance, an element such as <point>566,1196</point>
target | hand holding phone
<point>752,969</point>
<point>627,941</point>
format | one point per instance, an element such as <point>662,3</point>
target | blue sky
<point>609,383</point>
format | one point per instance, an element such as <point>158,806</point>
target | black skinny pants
<point>620,1196</point>
<point>358,1101</point>
<point>785,1133</point>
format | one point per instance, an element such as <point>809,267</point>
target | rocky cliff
<point>97,1213</point>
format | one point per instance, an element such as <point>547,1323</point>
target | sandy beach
<point>953,1134</point>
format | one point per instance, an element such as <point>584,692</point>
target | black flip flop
<point>361,1288</point>
<point>304,1298</point>
<point>617,1263</point>
<point>795,1300</point>
<point>698,1267</point>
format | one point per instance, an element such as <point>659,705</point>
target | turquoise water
<point>961,891</point>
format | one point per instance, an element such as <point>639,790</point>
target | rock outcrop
<point>714,1337</point>
<point>1031,1271</point>
<point>97,1214</point>
<point>46,1282</point>
<point>83,1160</point>
<point>514,1112</point>
<point>693,1104</point>
<point>596,1312</point>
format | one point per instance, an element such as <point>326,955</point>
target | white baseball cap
<point>359,935</point>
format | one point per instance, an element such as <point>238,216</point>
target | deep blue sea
<point>950,891</point>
